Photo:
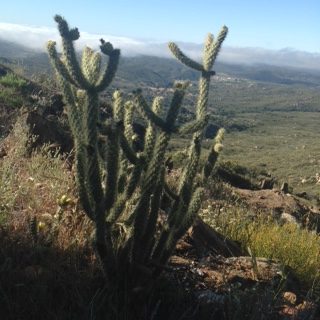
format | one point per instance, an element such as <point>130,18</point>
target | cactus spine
<point>117,184</point>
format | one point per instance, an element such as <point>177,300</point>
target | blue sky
<point>270,24</point>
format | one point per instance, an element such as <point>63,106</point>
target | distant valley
<point>271,113</point>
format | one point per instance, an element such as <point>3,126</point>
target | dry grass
<point>294,247</point>
<point>47,267</point>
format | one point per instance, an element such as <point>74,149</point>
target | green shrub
<point>9,97</point>
<point>12,80</point>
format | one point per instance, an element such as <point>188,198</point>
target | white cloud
<point>32,37</point>
<point>285,57</point>
<point>36,38</point>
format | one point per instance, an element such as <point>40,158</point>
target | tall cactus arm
<point>90,65</point>
<point>212,48</point>
<point>127,149</point>
<point>163,140</point>
<point>150,135</point>
<point>187,221</point>
<point>135,177</point>
<point>124,198</point>
<point>190,170</point>
<point>148,237</point>
<point>181,204</point>
<point>147,113</point>
<point>204,83</point>
<point>110,71</point>
<point>128,119</point>
<point>156,162</point>
<point>85,196</point>
<point>183,58</point>
<point>216,148</point>
<point>68,36</point>
<point>139,214</point>
<point>118,110</point>
<point>94,177</point>
<point>104,245</point>
<point>58,65</point>
<point>175,106</point>
<point>71,104</point>
<point>112,168</point>
<point>194,126</point>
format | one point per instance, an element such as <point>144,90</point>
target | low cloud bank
<point>37,37</point>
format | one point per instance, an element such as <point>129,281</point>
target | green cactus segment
<point>207,52</point>
<point>162,141</point>
<point>181,204</point>
<point>175,106</point>
<point>118,106</point>
<point>84,191</point>
<point>148,237</point>
<point>112,169</point>
<point>58,64</point>
<point>116,184</point>
<point>110,71</point>
<point>69,54</point>
<point>194,126</point>
<point>147,113</point>
<point>183,58</point>
<point>185,224</point>
<point>150,136</point>
<point>213,154</point>
<point>128,118</point>
<point>64,31</point>
<point>127,149</point>
<point>134,178</point>
<point>140,215</point>
<point>125,198</point>
<point>90,65</point>
<point>202,102</point>
<point>212,48</point>
<point>93,162</point>
<point>190,170</point>
<point>192,212</point>
<point>152,177</point>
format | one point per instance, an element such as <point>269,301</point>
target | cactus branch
<point>184,59</point>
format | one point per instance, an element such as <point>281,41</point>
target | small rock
<point>3,152</point>
<point>179,261</point>
<point>208,297</point>
<point>288,218</point>
<point>290,297</point>
<point>285,187</point>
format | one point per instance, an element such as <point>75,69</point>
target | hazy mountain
<point>158,71</point>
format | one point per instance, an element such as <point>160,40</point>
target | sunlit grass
<point>292,246</point>
<point>31,184</point>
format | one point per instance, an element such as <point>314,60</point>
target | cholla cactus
<point>117,185</point>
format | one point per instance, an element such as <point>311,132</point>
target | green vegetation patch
<point>284,144</point>
<point>13,80</point>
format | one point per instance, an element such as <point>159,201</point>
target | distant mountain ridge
<point>157,71</point>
